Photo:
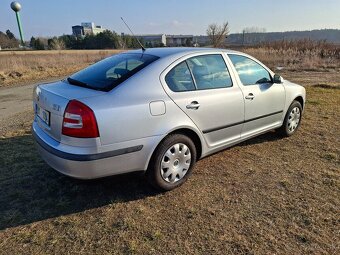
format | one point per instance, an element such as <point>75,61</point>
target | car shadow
<point>266,137</point>
<point>31,191</point>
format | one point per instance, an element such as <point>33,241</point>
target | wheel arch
<point>193,136</point>
<point>184,131</point>
<point>300,100</point>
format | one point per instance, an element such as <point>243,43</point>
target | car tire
<point>172,162</point>
<point>292,120</point>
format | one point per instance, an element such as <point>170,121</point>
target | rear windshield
<point>110,72</point>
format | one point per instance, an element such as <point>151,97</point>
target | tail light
<point>79,121</point>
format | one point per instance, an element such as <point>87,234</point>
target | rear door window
<point>210,72</point>
<point>199,73</point>
<point>249,71</point>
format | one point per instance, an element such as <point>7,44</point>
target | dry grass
<point>298,55</point>
<point>295,60</point>
<point>264,196</point>
<point>20,67</point>
<point>27,66</point>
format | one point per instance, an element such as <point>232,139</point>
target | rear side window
<point>110,72</point>
<point>249,71</point>
<point>199,73</point>
<point>179,78</point>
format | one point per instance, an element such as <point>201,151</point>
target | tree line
<point>103,40</point>
<point>8,40</point>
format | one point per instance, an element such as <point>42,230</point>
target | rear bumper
<point>127,157</point>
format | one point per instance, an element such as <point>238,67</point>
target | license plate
<point>43,114</point>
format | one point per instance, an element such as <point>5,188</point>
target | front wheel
<point>172,162</point>
<point>292,119</point>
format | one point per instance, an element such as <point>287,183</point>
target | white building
<point>155,40</point>
<point>179,40</point>
<point>87,28</point>
<point>94,29</point>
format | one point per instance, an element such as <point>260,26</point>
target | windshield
<point>110,72</point>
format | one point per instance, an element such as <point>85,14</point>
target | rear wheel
<point>172,162</point>
<point>292,119</point>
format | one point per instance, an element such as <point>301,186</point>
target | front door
<point>264,100</point>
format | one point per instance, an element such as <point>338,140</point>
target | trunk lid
<point>50,101</point>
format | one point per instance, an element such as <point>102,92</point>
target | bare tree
<point>218,34</point>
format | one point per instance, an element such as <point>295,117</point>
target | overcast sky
<point>55,17</point>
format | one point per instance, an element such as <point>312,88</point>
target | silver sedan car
<point>159,111</point>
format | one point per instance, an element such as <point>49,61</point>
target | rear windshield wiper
<point>80,83</point>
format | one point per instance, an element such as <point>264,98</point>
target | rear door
<point>264,100</point>
<point>202,87</point>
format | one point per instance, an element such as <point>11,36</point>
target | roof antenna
<point>141,45</point>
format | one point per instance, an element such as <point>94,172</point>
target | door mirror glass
<point>277,78</point>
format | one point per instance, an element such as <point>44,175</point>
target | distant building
<point>86,28</point>
<point>156,40</point>
<point>179,40</point>
<point>153,40</point>
<point>201,40</point>
<point>91,27</point>
<point>78,31</point>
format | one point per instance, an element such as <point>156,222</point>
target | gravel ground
<point>16,124</point>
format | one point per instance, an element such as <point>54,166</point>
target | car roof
<point>168,51</point>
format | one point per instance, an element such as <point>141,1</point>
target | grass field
<point>291,59</point>
<point>265,196</point>
<point>20,67</point>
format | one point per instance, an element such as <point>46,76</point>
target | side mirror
<point>277,79</point>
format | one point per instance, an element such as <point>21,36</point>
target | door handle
<point>193,105</point>
<point>250,96</point>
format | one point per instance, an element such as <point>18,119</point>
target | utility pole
<point>16,7</point>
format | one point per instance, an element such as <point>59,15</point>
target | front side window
<point>249,71</point>
<point>199,73</point>
<point>110,72</point>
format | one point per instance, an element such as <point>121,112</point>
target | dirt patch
<point>14,74</point>
<point>2,77</point>
<point>329,78</point>
<point>18,124</point>
<point>327,86</point>
<point>265,196</point>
